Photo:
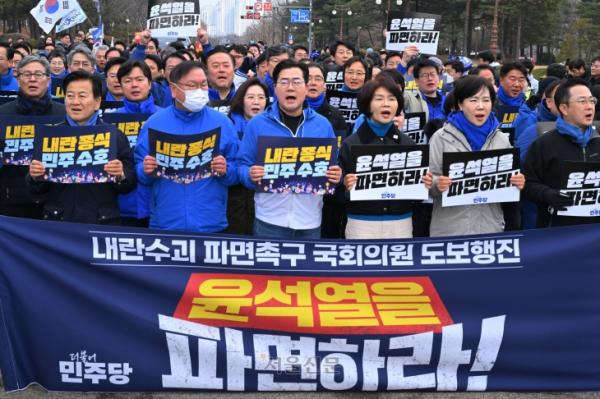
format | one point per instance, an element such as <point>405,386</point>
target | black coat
<point>88,203</point>
<point>15,198</point>
<point>365,135</point>
<point>543,169</point>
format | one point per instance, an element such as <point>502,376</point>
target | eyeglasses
<point>192,85</point>
<point>355,73</point>
<point>29,75</point>
<point>428,75</point>
<point>137,79</point>
<point>296,82</point>
<point>316,79</point>
<point>513,79</point>
<point>585,100</point>
<point>252,97</point>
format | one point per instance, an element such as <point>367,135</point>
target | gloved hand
<point>556,199</point>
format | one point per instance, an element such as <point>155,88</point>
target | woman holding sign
<point>380,101</point>
<point>471,127</point>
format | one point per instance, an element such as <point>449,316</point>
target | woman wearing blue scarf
<point>380,101</point>
<point>251,98</point>
<point>356,73</point>
<point>472,127</point>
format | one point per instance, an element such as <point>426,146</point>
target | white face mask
<point>195,100</point>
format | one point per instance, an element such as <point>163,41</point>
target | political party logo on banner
<point>129,124</point>
<point>18,135</point>
<point>296,165</point>
<point>56,88</point>
<point>173,19</point>
<point>581,180</point>
<point>413,28</point>
<point>75,154</point>
<point>413,126</point>
<point>507,114</point>
<point>480,177</point>
<point>7,96</point>
<point>217,312</point>
<point>334,80</point>
<point>389,172</point>
<point>184,159</point>
<point>74,17</point>
<point>346,103</point>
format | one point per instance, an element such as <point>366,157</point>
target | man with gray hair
<point>33,74</point>
<point>81,58</point>
<point>100,54</point>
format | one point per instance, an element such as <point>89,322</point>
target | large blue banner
<point>91,308</point>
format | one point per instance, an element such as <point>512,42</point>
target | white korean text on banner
<point>413,28</point>
<point>480,177</point>
<point>184,159</point>
<point>173,19</point>
<point>346,103</point>
<point>129,124</point>
<point>389,172</point>
<point>105,309</point>
<point>17,134</point>
<point>296,165</point>
<point>581,180</point>
<point>75,154</point>
<point>414,123</point>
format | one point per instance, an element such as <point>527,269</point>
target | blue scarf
<point>475,135</point>
<point>146,106</point>
<point>380,129</point>
<point>110,97</point>
<point>90,122</point>
<point>577,136</point>
<point>544,114</point>
<point>505,99</point>
<point>315,103</point>
<point>60,75</point>
<point>346,89</point>
<point>213,94</point>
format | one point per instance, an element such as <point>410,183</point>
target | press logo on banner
<point>82,367</point>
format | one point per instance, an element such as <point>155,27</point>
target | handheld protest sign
<point>334,80</point>
<point>389,172</point>
<point>76,154</point>
<point>18,135</point>
<point>414,123</point>
<point>56,88</point>
<point>173,19</point>
<point>184,159</point>
<point>346,103</point>
<point>129,124</point>
<point>413,28</point>
<point>7,96</point>
<point>107,107</point>
<point>507,115</point>
<point>480,177</point>
<point>296,165</point>
<point>581,180</point>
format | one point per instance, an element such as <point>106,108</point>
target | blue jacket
<point>525,118</point>
<point>200,206</point>
<point>528,133</point>
<point>162,93</point>
<point>136,203</point>
<point>285,210</point>
<point>8,81</point>
<point>268,123</point>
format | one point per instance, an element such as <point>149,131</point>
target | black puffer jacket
<point>365,135</point>
<point>543,169</point>
<point>88,203</point>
